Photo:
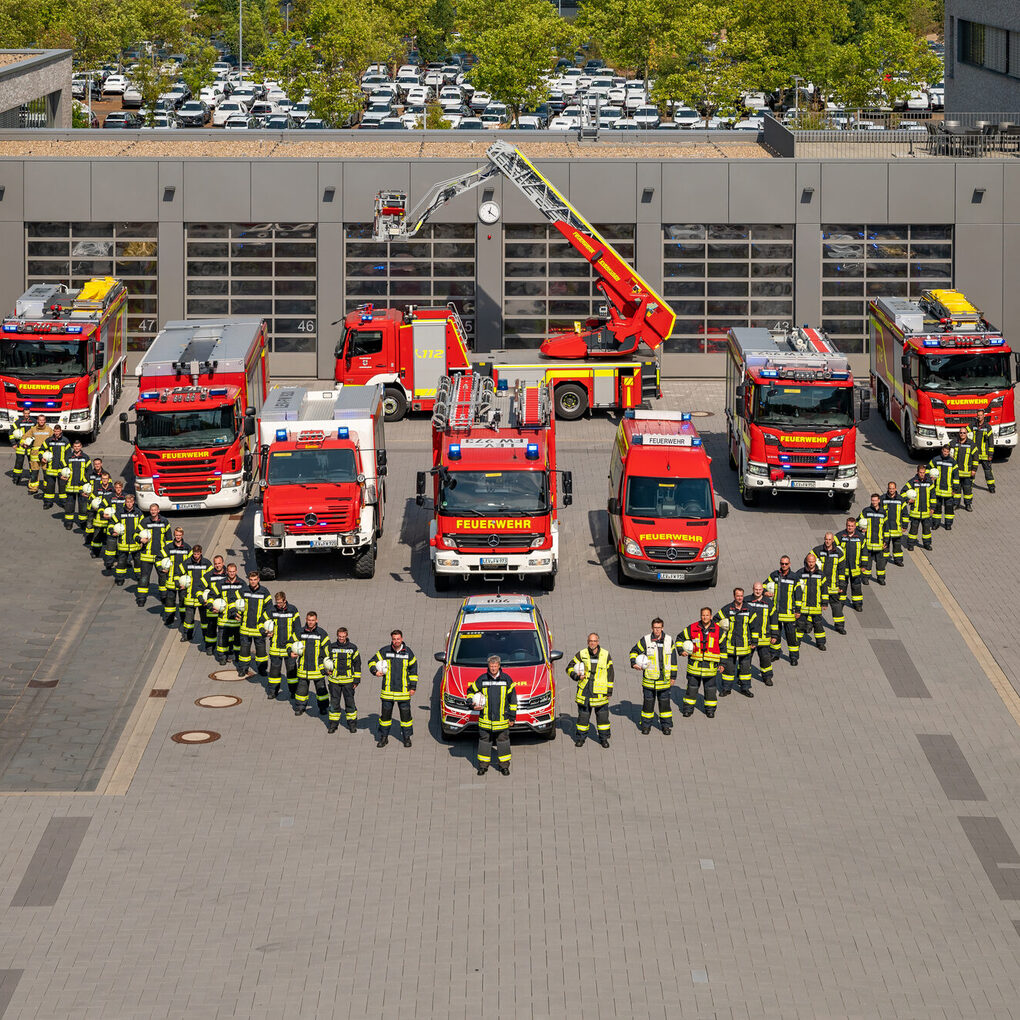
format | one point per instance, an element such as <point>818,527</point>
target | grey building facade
<point>982,56</point>
<point>35,88</point>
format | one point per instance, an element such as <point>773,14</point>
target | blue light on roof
<point>996,341</point>
<point>149,395</point>
<point>685,416</point>
<point>454,451</point>
<point>931,342</point>
<point>72,329</point>
<point>695,442</point>
<point>531,451</point>
<point>342,432</point>
<point>219,392</point>
<point>511,608</point>
<point>769,373</point>
<point>281,435</point>
<point>629,413</point>
<point>10,327</point>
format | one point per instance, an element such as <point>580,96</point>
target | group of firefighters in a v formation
<point>239,620</point>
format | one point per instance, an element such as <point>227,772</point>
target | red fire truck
<point>62,354</point>
<point>595,366</point>
<point>201,385</point>
<point>790,414</point>
<point>935,363</point>
<point>494,482</point>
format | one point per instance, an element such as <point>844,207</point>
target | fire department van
<point>662,509</point>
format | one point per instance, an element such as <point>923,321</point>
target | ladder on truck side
<point>464,402</point>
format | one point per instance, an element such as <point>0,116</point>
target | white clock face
<point>488,212</point>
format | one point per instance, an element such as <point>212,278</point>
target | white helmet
<point>770,587</point>
<point>268,627</point>
<point>95,503</point>
<point>87,489</point>
<point>688,647</point>
<point>46,456</point>
<point>17,433</point>
<point>165,563</point>
<point>297,647</point>
<point>579,670</point>
<point>108,512</point>
<point>911,495</point>
<point>118,528</point>
<point>203,595</point>
<point>478,701</point>
<point>641,661</point>
<point>183,581</point>
<point>382,667</point>
<point>219,605</point>
<point>144,536</point>
<point>327,665</point>
<point>724,624</point>
<point>65,473</point>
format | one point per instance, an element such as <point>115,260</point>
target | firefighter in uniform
<point>214,575</point>
<point>761,615</point>
<point>156,536</point>
<point>397,667</point>
<point>853,544</point>
<point>78,489</point>
<point>286,621</point>
<point>832,563</point>
<point>872,524</point>
<point>343,681</point>
<point>177,581</point>
<point>811,600</point>
<point>736,620</point>
<point>781,585</point>
<point>196,566</point>
<point>895,508</point>
<point>593,672</point>
<point>255,602</point>
<point>311,651</point>
<point>701,642</point>
<point>113,505</point>
<point>228,620</point>
<point>964,451</point>
<point>20,441</point>
<point>655,655</point>
<point>947,488</point>
<point>95,479</point>
<point>126,528</point>
<point>496,714</point>
<point>984,439</point>
<point>35,440</point>
<point>919,493</point>
<point>54,455</point>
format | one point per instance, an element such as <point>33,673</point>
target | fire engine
<point>62,354</point>
<point>201,385</point>
<point>323,460</point>
<point>494,482</point>
<point>596,366</point>
<point>790,414</point>
<point>935,363</point>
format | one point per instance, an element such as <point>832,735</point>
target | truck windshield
<point>36,359</point>
<point>965,372</point>
<point>293,467</point>
<point>514,647</point>
<point>481,493</point>
<point>176,430</point>
<point>806,406</point>
<point>669,497</point>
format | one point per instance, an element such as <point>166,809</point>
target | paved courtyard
<point>846,844</point>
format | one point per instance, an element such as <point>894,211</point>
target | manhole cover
<point>218,701</point>
<point>226,676</point>
<point>702,414</point>
<point>195,737</point>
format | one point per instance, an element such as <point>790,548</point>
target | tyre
<point>714,579</point>
<point>448,735</point>
<point>1005,452</point>
<point>570,401</point>
<point>883,406</point>
<point>621,578</point>
<point>844,501</point>
<point>364,562</point>
<point>548,582</point>
<point>116,385</point>
<point>394,403</point>
<point>551,735</point>
<point>749,497</point>
<point>729,450</point>
<point>442,582</point>
<point>268,564</point>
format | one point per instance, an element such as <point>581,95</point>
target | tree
<point>152,79</point>
<point>163,23</point>
<point>197,70</point>
<point>434,119</point>
<point>288,60</point>
<point>425,25</point>
<point>624,32</point>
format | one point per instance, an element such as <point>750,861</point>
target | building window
<point>995,49</point>
<point>71,253</point>
<point>435,267</point>
<point>720,275</point>
<point>860,263</point>
<point>266,269</point>
<point>547,285</point>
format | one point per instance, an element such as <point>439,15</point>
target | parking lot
<point>844,844</point>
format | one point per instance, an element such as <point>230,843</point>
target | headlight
<point>79,415</point>
<point>757,469</point>
<point>539,701</point>
<point>451,701</point>
<point>847,472</point>
<point>540,561</point>
<point>538,541</point>
<point>926,430</point>
<point>836,440</point>
<point>1007,430</point>
<point>710,551</point>
<point>446,560</point>
<point>349,539</point>
<point>631,548</point>
<point>274,543</point>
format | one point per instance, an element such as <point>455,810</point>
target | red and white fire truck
<point>595,366</point>
<point>790,416</point>
<point>201,386</point>
<point>495,493</point>
<point>62,354</point>
<point>935,363</point>
<point>323,459</point>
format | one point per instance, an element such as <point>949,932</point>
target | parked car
<point>471,124</point>
<point>301,111</point>
<point>193,113</point>
<point>263,109</point>
<point>479,101</point>
<point>646,117</point>
<point>114,85</point>
<point>280,122</point>
<point>122,119</point>
<point>227,109</point>
<point>313,124</point>
<point>161,122</point>
<point>528,123</point>
<point>240,122</point>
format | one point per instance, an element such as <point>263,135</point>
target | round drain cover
<point>195,737</point>
<point>701,414</point>
<point>226,675</point>
<point>218,701</point>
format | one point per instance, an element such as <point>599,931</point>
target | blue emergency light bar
<point>72,329</point>
<point>531,451</point>
<point>281,435</point>
<point>695,442</point>
<point>454,451</point>
<point>996,341</point>
<point>148,395</point>
<point>685,415</point>
<point>512,607</point>
<point>769,373</point>
<point>502,385</point>
<point>932,342</point>
<point>343,432</point>
<point>219,392</point>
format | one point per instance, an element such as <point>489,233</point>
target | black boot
<point>323,708</point>
<point>272,693</point>
<point>687,711</point>
<point>767,681</point>
<point>353,727</point>
<point>724,692</point>
<point>710,713</point>
<point>666,730</point>
<point>299,708</point>
<point>384,739</point>
<point>821,646</point>
<point>505,769</point>
<point>604,742</point>
<point>794,659</point>
<point>645,729</point>
<point>747,692</point>
<point>407,740</point>
<point>482,771</point>
<point>579,742</point>
<point>333,727</point>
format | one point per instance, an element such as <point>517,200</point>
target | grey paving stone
<point>50,864</point>
<point>996,852</point>
<point>950,766</point>
<point>8,983</point>
<point>899,668</point>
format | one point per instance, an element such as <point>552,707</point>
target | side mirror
<point>613,507</point>
<point>249,425</point>
<point>419,488</point>
<point>865,409</point>
<point>568,488</point>
<point>555,656</point>
<point>125,429</point>
<point>249,412</point>
<point>439,656</point>
<point>338,351</point>
<point>380,458</point>
<point>723,509</point>
<point>248,461</point>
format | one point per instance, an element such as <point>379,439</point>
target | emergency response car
<point>512,627</point>
<point>662,509</point>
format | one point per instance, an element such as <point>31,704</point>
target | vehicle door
<point>365,355</point>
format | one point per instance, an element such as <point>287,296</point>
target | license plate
<point>326,542</point>
<point>802,485</point>
<point>673,575</point>
<point>494,561</point>
<point>195,504</point>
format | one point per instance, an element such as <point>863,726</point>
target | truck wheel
<point>844,501</point>
<point>748,496</point>
<point>570,401</point>
<point>1005,452</point>
<point>442,582</point>
<point>364,562</point>
<point>551,735</point>
<point>621,578</point>
<point>394,403</point>
<point>116,385</point>
<point>883,406</point>
<point>448,735</point>
<point>268,564</point>
<point>714,579</point>
<point>729,449</point>
<point>548,582</point>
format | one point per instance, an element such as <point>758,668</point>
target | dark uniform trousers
<point>786,629</point>
<point>943,511</point>
<point>386,715</point>
<point>76,508</point>
<point>694,680</point>
<point>489,739</point>
<point>277,665</point>
<point>172,598</point>
<point>764,650</point>
<point>648,699</point>
<point>814,621</point>
<point>601,717</point>
<point>737,666</point>
<point>342,689</point>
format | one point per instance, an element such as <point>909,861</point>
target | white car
<point>131,98</point>
<point>300,111</point>
<point>624,125</point>
<point>434,79</point>
<point>115,85</point>
<point>754,100</point>
<point>646,117</point>
<point>617,95</point>
<point>686,117</point>
<point>243,94</point>
<point>750,124</point>
<point>479,101</point>
<point>937,95</point>
<point>227,109</point>
<point>450,98</point>
<point>635,100</point>
<point>161,122</point>
<point>918,100</point>
<point>239,122</point>
<point>409,69</point>
<point>418,96</point>
<point>529,123</point>
<point>562,123</point>
<point>406,82</point>
<point>211,97</point>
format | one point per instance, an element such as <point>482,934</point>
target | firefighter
<point>227,589</point>
<point>896,511</point>
<point>811,600</point>
<point>984,439</point>
<point>343,681</point>
<point>761,615</point>
<point>78,489</point>
<point>95,476</point>
<point>495,696</point>
<point>213,575</point>
<point>156,536</point>
<point>965,452</point>
<point>872,524</point>
<point>919,493</point>
<point>126,528</point>
<point>701,642</point>
<point>177,581</point>
<point>255,602</point>
<point>592,670</point>
<point>102,494</point>
<point>947,488</point>
<point>20,441</point>
<point>54,456</point>
<point>655,656</point>
<point>831,559</point>
<point>35,440</point>
<point>736,620</point>
<point>781,584</point>
<point>114,504</point>
<point>311,652</point>
<point>196,566</point>
<point>853,543</point>
<point>397,668</point>
<point>286,621</point>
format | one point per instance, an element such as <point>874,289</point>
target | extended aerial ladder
<point>636,314</point>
